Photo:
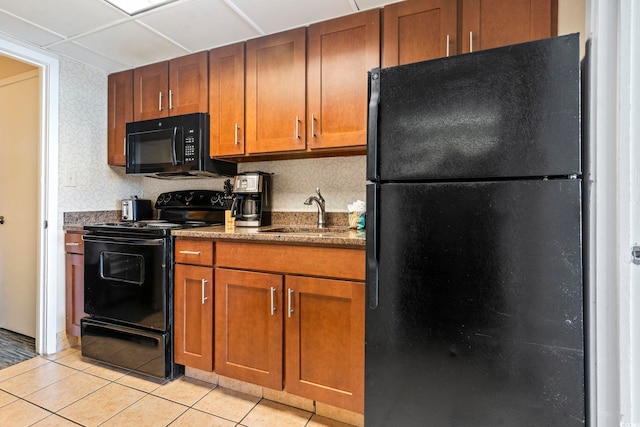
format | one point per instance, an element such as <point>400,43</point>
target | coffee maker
<point>252,204</point>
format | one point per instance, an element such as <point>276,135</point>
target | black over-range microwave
<point>173,147</point>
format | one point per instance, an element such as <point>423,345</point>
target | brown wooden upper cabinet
<point>275,92</point>
<point>339,54</point>
<point>419,30</point>
<point>226,100</point>
<point>120,111</point>
<point>171,88</point>
<point>492,23</point>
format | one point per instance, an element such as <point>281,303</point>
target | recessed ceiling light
<point>133,7</point>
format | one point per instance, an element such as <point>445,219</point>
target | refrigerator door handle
<point>372,245</point>
<point>372,124</point>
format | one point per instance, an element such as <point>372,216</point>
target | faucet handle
<point>319,195</point>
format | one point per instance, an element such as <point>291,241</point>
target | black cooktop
<point>175,210</point>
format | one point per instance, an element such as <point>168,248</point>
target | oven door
<point>127,280</point>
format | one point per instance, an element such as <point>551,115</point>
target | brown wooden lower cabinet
<point>74,282</point>
<point>248,323</point>
<point>313,327</point>
<point>193,314</point>
<point>285,317</point>
<point>324,341</point>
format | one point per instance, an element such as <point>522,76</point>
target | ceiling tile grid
<point>98,34</point>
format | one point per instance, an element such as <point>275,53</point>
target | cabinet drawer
<point>73,243</point>
<point>340,263</point>
<point>199,252</point>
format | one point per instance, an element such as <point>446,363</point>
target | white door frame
<point>47,263</point>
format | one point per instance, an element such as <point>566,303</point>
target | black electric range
<point>128,283</point>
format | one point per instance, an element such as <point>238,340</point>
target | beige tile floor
<point>68,390</point>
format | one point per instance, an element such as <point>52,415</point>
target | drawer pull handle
<point>273,300</point>
<point>289,303</point>
<point>190,252</point>
<point>204,283</point>
<point>159,101</point>
<point>448,42</point>
<point>72,244</point>
<point>470,41</point>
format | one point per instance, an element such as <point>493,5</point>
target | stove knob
<point>160,199</point>
<point>188,197</point>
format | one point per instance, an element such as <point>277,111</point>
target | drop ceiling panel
<point>22,30</point>
<point>66,17</point>
<point>273,16</point>
<point>132,44</point>
<point>84,55</point>
<point>202,24</point>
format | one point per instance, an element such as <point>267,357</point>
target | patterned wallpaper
<point>86,182</point>
<point>341,181</point>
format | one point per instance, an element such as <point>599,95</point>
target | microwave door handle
<point>174,146</point>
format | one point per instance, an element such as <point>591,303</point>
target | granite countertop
<point>333,236</point>
<point>303,223</point>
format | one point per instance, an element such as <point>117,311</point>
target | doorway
<point>20,121</point>
<point>43,163</point>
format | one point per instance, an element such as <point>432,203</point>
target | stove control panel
<point>191,199</point>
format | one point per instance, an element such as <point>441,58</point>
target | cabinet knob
<point>1,220</point>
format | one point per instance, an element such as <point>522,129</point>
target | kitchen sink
<point>303,230</point>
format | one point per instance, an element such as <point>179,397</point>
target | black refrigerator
<point>475,240</point>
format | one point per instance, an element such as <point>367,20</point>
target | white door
<point>19,201</point>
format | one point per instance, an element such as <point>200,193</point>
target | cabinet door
<point>150,91</point>
<point>248,324</point>
<point>193,314</point>
<point>340,52</point>
<point>275,97</point>
<point>74,287</point>
<point>324,338</point>
<point>418,30</point>
<point>492,23</point>
<point>120,111</point>
<point>189,84</point>
<point>226,100</point>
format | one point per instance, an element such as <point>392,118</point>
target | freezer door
<point>476,318</point>
<point>508,112</point>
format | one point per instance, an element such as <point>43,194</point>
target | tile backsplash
<point>340,179</point>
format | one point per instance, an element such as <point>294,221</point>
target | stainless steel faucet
<point>320,201</point>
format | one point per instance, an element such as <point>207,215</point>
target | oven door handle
<point>123,240</point>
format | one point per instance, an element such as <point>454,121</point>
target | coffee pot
<point>252,204</point>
